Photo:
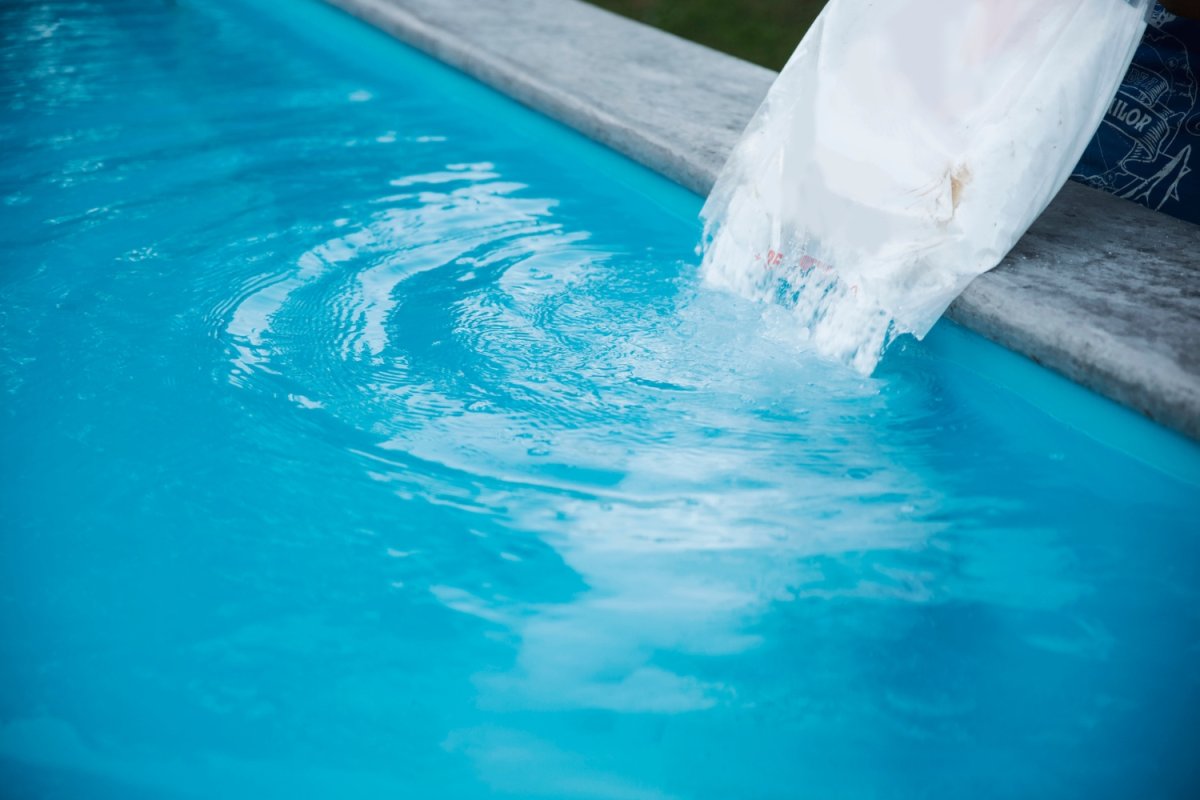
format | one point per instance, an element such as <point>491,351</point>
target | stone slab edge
<point>1103,291</point>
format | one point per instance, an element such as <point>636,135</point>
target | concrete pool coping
<point>1100,289</point>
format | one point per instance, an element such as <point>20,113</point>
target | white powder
<point>904,149</point>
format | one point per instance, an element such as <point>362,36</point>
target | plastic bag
<point>904,149</point>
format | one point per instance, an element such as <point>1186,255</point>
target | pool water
<point>367,435</point>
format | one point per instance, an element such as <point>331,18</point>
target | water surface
<point>365,435</point>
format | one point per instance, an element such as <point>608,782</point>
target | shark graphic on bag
<point>1144,148</point>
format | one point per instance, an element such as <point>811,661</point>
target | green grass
<point>763,31</point>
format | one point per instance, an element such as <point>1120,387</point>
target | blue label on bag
<point>1144,150</point>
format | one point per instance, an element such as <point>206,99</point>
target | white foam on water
<point>903,151</point>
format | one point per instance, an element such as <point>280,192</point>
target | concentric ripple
<point>366,435</point>
<point>463,324</point>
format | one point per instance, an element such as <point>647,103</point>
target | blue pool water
<point>365,435</point>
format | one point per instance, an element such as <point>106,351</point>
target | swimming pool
<point>366,435</point>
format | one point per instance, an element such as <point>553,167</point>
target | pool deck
<point>1099,289</point>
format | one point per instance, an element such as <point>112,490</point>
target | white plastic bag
<point>904,149</point>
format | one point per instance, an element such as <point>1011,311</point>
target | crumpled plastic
<point>903,151</point>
